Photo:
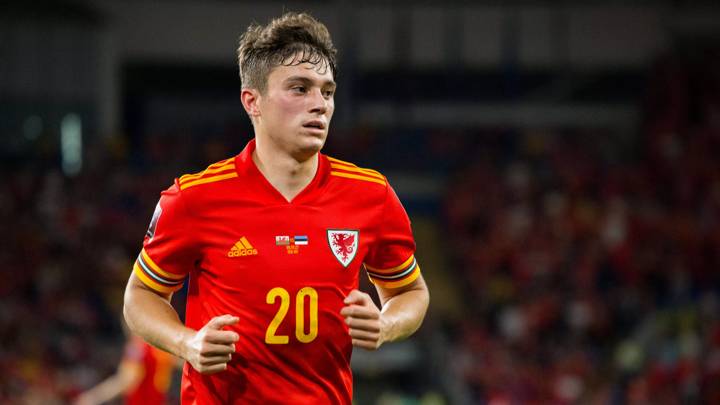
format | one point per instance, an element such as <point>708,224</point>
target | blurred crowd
<point>586,258</point>
<point>68,247</point>
<point>590,258</point>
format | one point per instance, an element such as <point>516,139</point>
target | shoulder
<point>215,173</point>
<point>350,175</point>
<point>193,186</point>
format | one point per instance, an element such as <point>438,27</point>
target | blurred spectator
<point>143,377</point>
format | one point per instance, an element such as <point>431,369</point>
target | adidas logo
<point>242,248</point>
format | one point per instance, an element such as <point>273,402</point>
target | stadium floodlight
<point>71,144</point>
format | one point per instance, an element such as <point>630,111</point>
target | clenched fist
<point>364,320</point>
<point>210,349</point>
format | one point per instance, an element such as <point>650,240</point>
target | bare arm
<point>149,314</point>
<point>126,378</point>
<point>403,310</point>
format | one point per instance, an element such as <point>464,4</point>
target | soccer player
<point>272,241</point>
<point>143,377</point>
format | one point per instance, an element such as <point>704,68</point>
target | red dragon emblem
<point>343,244</point>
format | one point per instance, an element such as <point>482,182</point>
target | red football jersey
<point>282,267</point>
<point>157,367</point>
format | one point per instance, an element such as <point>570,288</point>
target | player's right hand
<point>210,349</point>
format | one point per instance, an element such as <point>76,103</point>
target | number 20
<point>279,292</point>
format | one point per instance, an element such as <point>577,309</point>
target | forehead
<point>319,73</point>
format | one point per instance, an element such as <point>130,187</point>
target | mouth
<point>314,124</point>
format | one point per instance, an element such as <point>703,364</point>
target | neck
<point>287,173</point>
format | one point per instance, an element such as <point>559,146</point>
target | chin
<point>313,141</point>
<point>313,148</point>
<point>310,146</point>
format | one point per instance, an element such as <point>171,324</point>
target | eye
<point>329,93</point>
<point>299,89</point>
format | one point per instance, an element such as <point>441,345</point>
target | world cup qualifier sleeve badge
<point>150,233</point>
<point>343,244</point>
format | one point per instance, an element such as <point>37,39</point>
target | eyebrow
<point>310,81</point>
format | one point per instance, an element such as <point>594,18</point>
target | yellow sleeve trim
<point>151,283</point>
<point>392,269</point>
<point>222,162</point>
<point>157,268</point>
<point>209,170</point>
<point>342,162</point>
<point>366,172</point>
<point>207,180</point>
<point>348,164</point>
<point>332,159</point>
<point>359,177</point>
<point>400,283</point>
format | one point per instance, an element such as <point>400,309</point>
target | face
<point>295,110</point>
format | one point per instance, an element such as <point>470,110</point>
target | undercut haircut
<point>292,39</point>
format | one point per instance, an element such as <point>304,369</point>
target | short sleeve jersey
<point>282,267</point>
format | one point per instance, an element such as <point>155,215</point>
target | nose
<point>318,103</point>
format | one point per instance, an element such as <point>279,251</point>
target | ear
<point>250,99</point>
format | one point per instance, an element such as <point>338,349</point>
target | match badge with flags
<point>153,223</point>
<point>343,244</point>
<point>292,244</point>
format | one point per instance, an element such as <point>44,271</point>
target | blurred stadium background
<point>559,159</point>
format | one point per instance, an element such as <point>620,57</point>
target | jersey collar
<point>248,171</point>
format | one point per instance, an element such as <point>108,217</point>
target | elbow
<point>425,299</point>
<point>126,314</point>
<point>422,296</point>
<point>128,305</point>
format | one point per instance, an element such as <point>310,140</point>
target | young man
<point>272,241</point>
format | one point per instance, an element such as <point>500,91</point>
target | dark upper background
<point>558,159</point>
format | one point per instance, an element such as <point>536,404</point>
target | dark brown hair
<point>289,40</point>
